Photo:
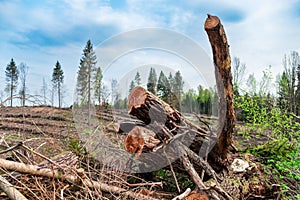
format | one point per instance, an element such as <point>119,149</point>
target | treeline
<point>170,89</point>
<point>91,90</point>
<point>287,85</point>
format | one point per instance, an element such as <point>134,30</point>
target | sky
<point>39,33</point>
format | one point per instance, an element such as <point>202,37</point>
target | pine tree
<point>57,80</point>
<point>152,80</point>
<point>131,86</point>
<point>177,88</point>
<point>137,79</point>
<point>23,69</point>
<point>12,75</point>
<point>98,85</point>
<point>86,73</point>
<point>163,87</point>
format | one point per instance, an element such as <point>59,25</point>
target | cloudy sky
<point>39,33</point>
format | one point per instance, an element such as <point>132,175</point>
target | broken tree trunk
<point>222,62</point>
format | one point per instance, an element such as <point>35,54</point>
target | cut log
<point>149,108</point>
<point>140,140</point>
<point>222,62</point>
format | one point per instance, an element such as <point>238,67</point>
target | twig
<point>183,195</point>
<point>222,192</point>
<point>11,148</point>
<point>173,173</point>
<point>42,156</point>
<point>10,191</point>
<point>62,192</point>
<point>160,184</point>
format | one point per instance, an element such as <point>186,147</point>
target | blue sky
<point>39,33</point>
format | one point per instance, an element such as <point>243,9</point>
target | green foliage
<point>131,86</point>
<point>281,155</point>
<point>163,87</point>
<point>202,102</point>
<point>283,92</point>
<point>98,85</point>
<point>57,80</point>
<point>86,73</point>
<point>12,74</point>
<point>281,152</point>
<point>76,147</point>
<point>152,80</point>
<point>137,79</point>
<point>169,184</point>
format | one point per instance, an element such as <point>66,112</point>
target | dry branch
<point>10,191</point>
<point>45,172</point>
<point>183,195</point>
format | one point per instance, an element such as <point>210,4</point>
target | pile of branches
<point>67,176</point>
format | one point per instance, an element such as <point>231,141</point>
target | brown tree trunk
<point>222,62</point>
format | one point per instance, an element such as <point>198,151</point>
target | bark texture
<point>222,62</point>
<point>149,108</point>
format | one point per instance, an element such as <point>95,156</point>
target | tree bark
<point>149,108</point>
<point>10,190</point>
<point>222,62</point>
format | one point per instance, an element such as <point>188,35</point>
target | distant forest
<point>91,90</point>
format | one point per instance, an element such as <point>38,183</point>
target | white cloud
<point>265,31</point>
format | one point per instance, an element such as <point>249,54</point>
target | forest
<point>266,133</point>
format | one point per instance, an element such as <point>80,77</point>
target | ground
<point>51,132</point>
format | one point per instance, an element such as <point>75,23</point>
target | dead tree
<point>222,62</point>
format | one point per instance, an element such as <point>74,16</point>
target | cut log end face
<point>134,142</point>
<point>140,140</point>
<point>211,22</point>
<point>136,97</point>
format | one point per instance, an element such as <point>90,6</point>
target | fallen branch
<point>10,191</point>
<point>49,173</point>
<point>193,173</point>
<point>183,195</point>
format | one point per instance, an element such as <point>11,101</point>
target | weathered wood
<point>74,178</point>
<point>10,190</point>
<point>127,126</point>
<point>222,62</point>
<point>149,108</point>
<point>140,140</point>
